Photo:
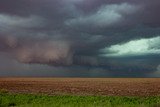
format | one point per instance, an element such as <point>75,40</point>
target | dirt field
<point>83,86</point>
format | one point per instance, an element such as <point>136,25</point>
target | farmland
<point>83,86</point>
<point>71,92</point>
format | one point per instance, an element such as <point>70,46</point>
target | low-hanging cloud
<point>43,52</point>
<point>50,52</point>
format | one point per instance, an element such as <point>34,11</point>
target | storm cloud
<point>103,38</point>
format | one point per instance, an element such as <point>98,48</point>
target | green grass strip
<point>30,100</point>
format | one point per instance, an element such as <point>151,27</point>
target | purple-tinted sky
<point>85,38</point>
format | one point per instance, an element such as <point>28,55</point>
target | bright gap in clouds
<point>133,48</point>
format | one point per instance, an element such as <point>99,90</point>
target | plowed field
<point>83,86</point>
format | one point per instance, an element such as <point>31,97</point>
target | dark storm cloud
<point>72,33</point>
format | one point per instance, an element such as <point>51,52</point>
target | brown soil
<point>83,86</point>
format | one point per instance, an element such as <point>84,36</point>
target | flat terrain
<point>83,86</point>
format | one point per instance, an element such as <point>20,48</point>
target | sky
<point>80,38</point>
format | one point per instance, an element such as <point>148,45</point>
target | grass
<point>30,100</point>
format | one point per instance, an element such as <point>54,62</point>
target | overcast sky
<point>80,38</point>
